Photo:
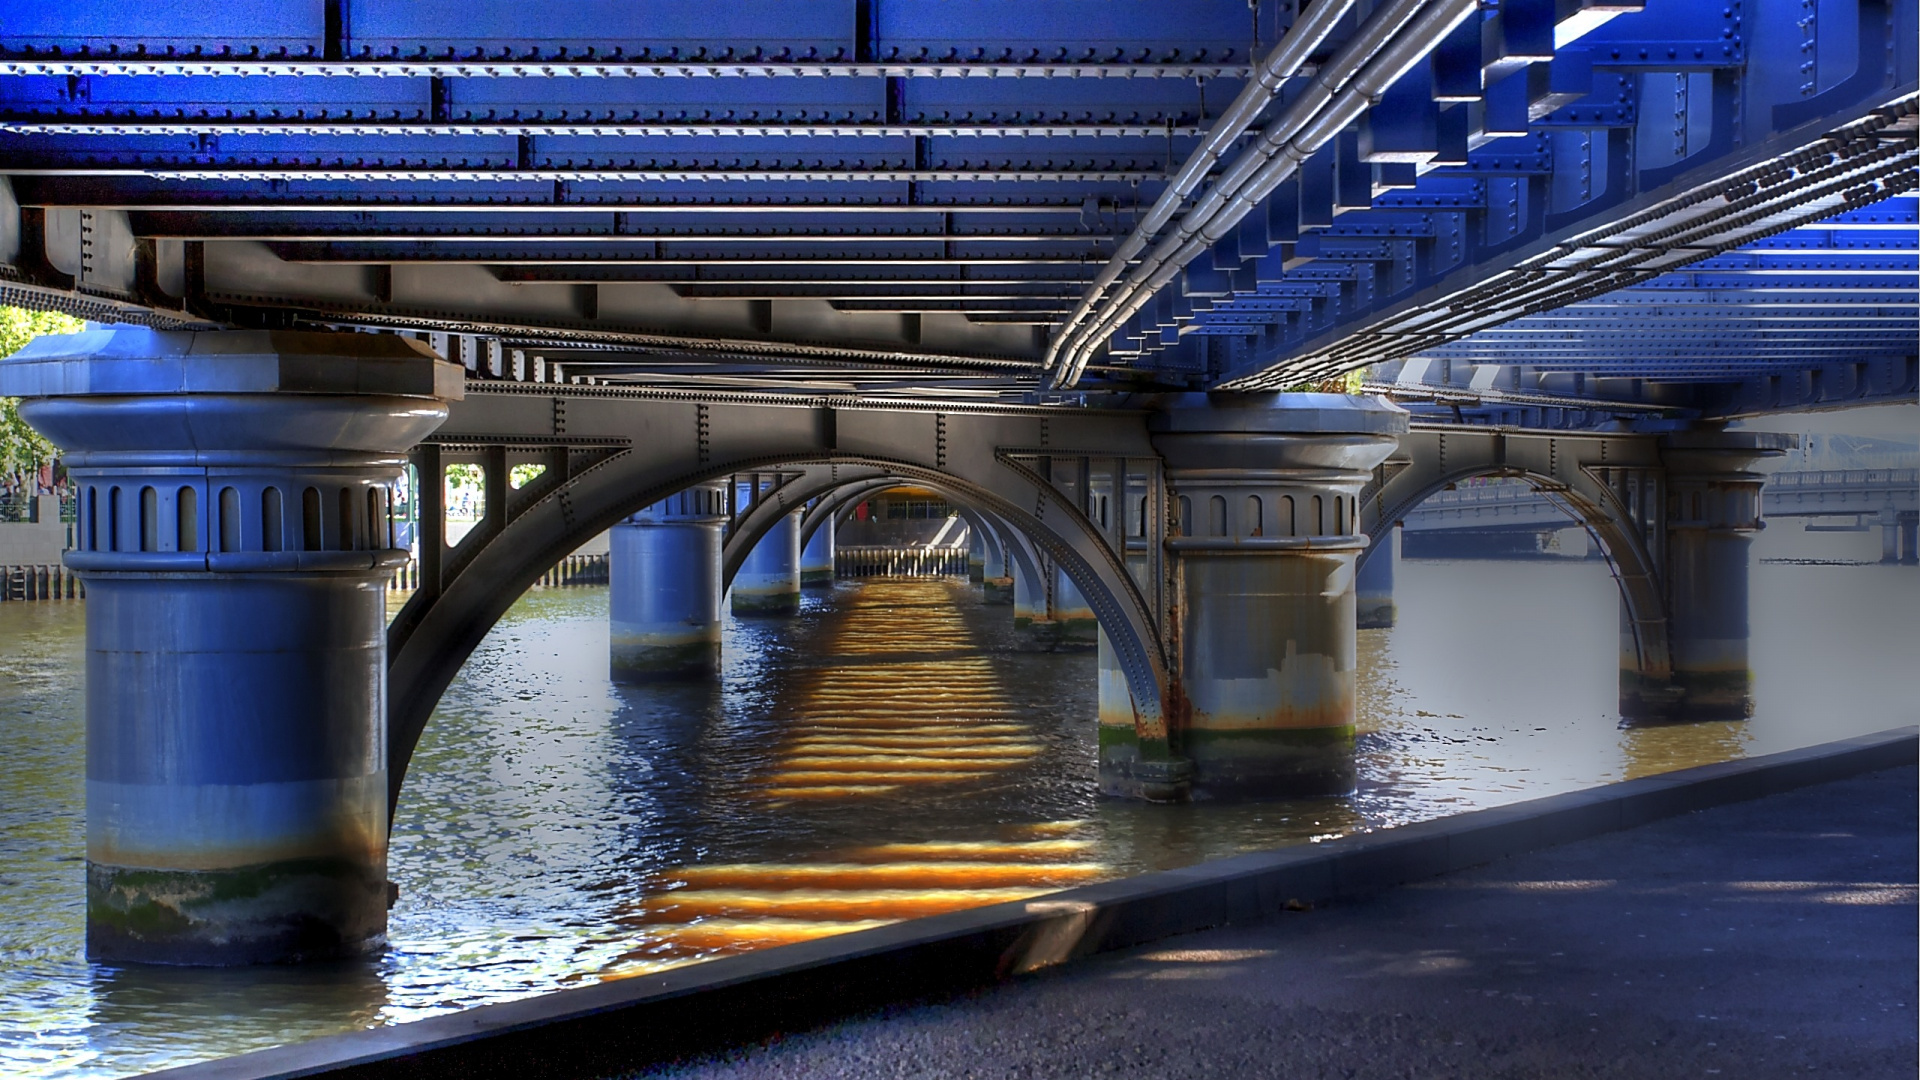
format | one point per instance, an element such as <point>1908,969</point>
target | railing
<point>42,582</point>
<point>1846,478</point>
<point>859,562</point>
<point>20,507</point>
<point>572,570</point>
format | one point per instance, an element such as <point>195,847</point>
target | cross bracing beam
<point>782,251</point>
<point>54,65</point>
<point>750,271</point>
<point>13,124</point>
<point>467,170</point>
<point>962,291</point>
<point>233,198</point>
<point>508,227</point>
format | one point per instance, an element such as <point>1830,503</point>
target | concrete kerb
<point>630,1023</point>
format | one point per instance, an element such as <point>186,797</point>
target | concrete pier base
<point>769,580</point>
<point>236,536</point>
<point>1373,590</point>
<point>1268,489</point>
<point>664,577</point>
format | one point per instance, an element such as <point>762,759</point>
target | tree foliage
<point>22,450</point>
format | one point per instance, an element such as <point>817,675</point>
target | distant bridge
<point>1885,497</point>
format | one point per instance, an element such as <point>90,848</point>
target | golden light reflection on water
<point>697,912</point>
<point>904,699</point>
<point>899,700</point>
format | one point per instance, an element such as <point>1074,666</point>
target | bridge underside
<point>1596,211</point>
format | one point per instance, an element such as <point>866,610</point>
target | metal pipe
<point>1280,65</point>
<point>1343,91</point>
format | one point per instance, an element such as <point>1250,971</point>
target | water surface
<point>893,751</point>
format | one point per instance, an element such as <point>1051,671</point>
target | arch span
<point>1611,486</point>
<point>601,476</point>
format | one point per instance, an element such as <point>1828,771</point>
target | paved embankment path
<point>1772,938</point>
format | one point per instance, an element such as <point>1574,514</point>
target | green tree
<point>22,450</point>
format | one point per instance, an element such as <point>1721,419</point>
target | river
<point>890,752</point>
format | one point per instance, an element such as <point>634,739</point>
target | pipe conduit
<point>1280,65</point>
<point>1338,96</point>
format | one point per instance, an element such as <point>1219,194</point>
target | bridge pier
<point>1909,538</point>
<point>235,537</point>
<point>976,555</point>
<point>1032,614</point>
<point>816,557</point>
<point>768,582</point>
<point>1712,512</point>
<point>1074,624</point>
<point>996,571</point>
<point>665,579</point>
<point>1268,490</point>
<point>1373,603</point>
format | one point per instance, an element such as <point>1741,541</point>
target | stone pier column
<point>1909,538</point>
<point>768,582</point>
<point>1267,490</point>
<point>236,536</point>
<point>1374,589</point>
<point>1889,536</point>
<point>664,573</point>
<point>816,558</point>
<point>1712,511</point>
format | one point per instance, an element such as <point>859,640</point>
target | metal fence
<point>858,562</point>
<point>572,570</point>
<point>43,582</point>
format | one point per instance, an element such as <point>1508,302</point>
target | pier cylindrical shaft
<point>1712,512</point>
<point>664,577</point>
<point>1117,720</point>
<point>1032,614</point>
<point>236,534</point>
<point>1373,601</point>
<point>1075,625</point>
<point>816,558</point>
<point>1267,491</point>
<point>768,582</point>
<point>997,576</point>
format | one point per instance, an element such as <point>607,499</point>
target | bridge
<point>1184,305</point>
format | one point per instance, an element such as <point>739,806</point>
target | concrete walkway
<point>1772,938</point>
